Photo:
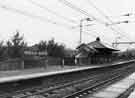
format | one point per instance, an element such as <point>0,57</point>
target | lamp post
<point>81,27</point>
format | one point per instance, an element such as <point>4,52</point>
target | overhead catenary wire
<point>78,26</point>
<point>24,13</point>
<point>31,15</point>
<point>70,5</point>
<point>124,22</point>
<point>118,16</point>
<point>67,3</point>
<point>88,34</point>
<point>103,14</point>
<point>34,16</point>
<point>51,11</point>
<point>82,11</point>
<point>93,35</point>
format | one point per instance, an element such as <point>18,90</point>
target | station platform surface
<point>132,95</point>
<point>114,90</point>
<point>6,76</point>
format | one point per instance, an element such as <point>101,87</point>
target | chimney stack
<point>97,39</point>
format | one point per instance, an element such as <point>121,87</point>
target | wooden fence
<point>27,63</point>
<point>11,64</point>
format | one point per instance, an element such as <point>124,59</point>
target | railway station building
<point>95,52</point>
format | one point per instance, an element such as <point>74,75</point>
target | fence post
<point>22,64</point>
<point>63,63</point>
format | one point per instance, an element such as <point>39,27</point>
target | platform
<point>132,95</point>
<point>6,76</point>
<point>9,76</point>
<point>114,90</point>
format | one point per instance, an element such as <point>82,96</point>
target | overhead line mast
<point>70,5</point>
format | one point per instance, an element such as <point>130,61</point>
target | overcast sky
<point>62,22</point>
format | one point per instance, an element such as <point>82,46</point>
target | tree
<point>50,47</point>
<point>53,48</point>
<point>16,46</point>
<point>42,45</point>
<point>2,50</point>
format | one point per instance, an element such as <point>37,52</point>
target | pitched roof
<point>94,47</point>
<point>86,48</point>
<point>96,44</point>
<point>100,45</point>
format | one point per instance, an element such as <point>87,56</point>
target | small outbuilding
<point>94,53</point>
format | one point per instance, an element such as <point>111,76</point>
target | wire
<point>80,10</point>
<point>32,16</point>
<point>35,16</point>
<point>103,14</point>
<point>24,13</point>
<point>83,12</point>
<point>118,16</point>
<point>94,35</point>
<point>108,45</point>
<point>78,26</point>
<point>51,11</point>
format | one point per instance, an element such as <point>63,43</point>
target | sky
<point>46,19</point>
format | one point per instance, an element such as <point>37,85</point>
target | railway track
<point>99,85</point>
<point>36,90</point>
<point>74,88</point>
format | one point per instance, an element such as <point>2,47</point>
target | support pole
<point>81,31</point>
